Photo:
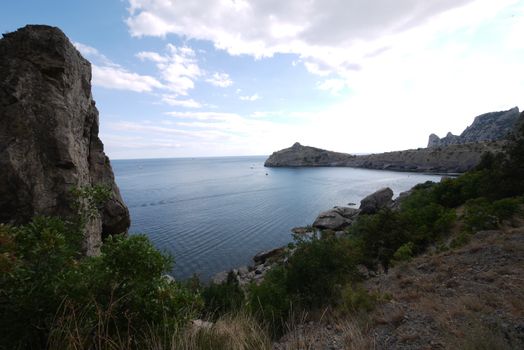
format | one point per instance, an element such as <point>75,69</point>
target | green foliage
<point>318,266</point>
<point>312,277</point>
<point>44,271</point>
<point>270,301</point>
<point>404,252</point>
<point>419,222</point>
<point>482,214</point>
<point>451,193</point>
<point>460,240</point>
<point>223,298</point>
<point>36,260</point>
<point>354,298</point>
<point>89,200</point>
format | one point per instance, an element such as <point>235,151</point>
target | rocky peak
<point>49,140</point>
<point>492,126</point>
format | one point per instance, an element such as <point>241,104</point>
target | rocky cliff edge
<point>49,140</point>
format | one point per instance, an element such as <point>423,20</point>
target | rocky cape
<point>49,140</point>
<point>456,154</point>
<point>450,159</point>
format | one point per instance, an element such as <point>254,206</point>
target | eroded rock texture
<point>49,132</point>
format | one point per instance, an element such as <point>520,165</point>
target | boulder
<point>220,277</point>
<point>376,201</point>
<point>336,218</point>
<point>301,230</point>
<point>49,140</point>
<point>261,257</point>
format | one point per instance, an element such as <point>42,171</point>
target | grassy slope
<point>466,298</point>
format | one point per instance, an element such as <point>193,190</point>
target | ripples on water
<point>214,214</point>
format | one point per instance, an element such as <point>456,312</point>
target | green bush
<point>354,298</point>
<point>312,278</point>
<point>420,221</point>
<point>404,252</point>
<point>270,301</point>
<point>460,240</point>
<point>45,273</point>
<point>482,214</point>
<point>220,299</point>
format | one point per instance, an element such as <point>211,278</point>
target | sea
<point>215,214</point>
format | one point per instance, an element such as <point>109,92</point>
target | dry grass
<point>74,331</point>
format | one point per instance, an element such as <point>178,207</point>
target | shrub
<point>46,273</point>
<point>460,240</point>
<point>318,266</point>
<point>220,299</point>
<point>354,298</point>
<point>420,221</point>
<point>270,301</point>
<point>404,252</point>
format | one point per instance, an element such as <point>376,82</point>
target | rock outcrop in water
<point>49,132</point>
<point>486,127</point>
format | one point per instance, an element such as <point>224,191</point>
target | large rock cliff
<point>49,140</point>
<point>492,126</point>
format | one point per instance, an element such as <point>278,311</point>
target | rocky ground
<point>465,298</point>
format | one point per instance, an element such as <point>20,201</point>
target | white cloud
<point>173,101</point>
<point>337,34</point>
<point>220,79</point>
<point>412,67</point>
<point>178,67</point>
<point>335,86</point>
<point>121,79</point>
<point>110,75</point>
<point>251,98</point>
<point>204,115</point>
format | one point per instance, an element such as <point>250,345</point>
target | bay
<point>214,214</point>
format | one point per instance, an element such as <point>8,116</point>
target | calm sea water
<point>214,214</point>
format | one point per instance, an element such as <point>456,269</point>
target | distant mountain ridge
<point>492,126</point>
<point>452,154</point>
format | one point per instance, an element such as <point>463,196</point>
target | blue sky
<point>236,77</point>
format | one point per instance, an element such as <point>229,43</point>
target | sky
<point>193,78</point>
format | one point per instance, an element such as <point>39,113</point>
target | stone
<point>301,230</point>
<point>169,278</point>
<point>261,257</point>
<point>243,270</point>
<point>220,277</point>
<point>49,140</point>
<point>336,218</point>
<point>376,201</point>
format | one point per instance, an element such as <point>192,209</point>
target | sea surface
<point>214,214</point>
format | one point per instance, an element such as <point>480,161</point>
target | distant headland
<point>451,154</point>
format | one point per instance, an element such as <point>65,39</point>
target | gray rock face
<point>376,201</point>
<point>336,218</point>
<point>302,156</point>
<point>486,127</point>
<point>452,159</point>
<point>261,257</point>
<point>49,132</point>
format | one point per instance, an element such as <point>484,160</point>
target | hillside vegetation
<point>52,296</point>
